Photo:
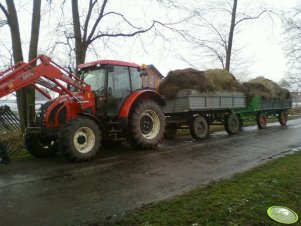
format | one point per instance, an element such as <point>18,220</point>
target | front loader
<point>105,103</point>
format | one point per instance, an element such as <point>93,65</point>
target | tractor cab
<point>112,82</point>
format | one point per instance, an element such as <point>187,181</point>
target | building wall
<point>152,80</point>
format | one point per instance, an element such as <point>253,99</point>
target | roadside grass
<point>242,200</point>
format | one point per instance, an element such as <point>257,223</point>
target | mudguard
<point>139,95</point>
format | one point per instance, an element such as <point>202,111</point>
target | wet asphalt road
<point>55,192</point>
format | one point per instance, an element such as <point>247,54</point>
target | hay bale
<point>203,81</point>
<point>223,80</point>
<point>184,79</point>
<point>266,89</point>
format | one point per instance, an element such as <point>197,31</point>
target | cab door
<point>119,87</point>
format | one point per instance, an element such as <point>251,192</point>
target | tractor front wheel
<point>40,146</point>
<point>147,124</point>
<point>80,139</point>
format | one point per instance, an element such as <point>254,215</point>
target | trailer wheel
<point>147,125</point>
<point>232,123</point>
<point>261,121</point>
<point>199,128</point>
<point>283,118</point>
<point>170,131</point>
<point>80,139</point>
<point>40,146</point>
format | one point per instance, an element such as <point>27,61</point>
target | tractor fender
<point>93,117</point>
<point>136,96</point>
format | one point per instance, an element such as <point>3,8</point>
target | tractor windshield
<point>96,78</point>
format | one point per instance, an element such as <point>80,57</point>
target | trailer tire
<point>283,118</point>
<point>261,121</point>
<point>170,131</point>
<point>40,146</point>
<point>80,139</point>
<point>147,125</point>
<point>199,128</point>
<point>232,123</point>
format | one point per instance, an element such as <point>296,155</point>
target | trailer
<point>260,109</point>
<point>197,111</point>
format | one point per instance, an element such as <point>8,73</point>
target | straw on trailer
<point>265,89</point>
<point>204,81</point>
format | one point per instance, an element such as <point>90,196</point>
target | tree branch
<point>123,34</point>
<point>91,5</point>
<point>123,17</point>
<point>252,17</point>
<point>4,11</point>
<point>90,37</point>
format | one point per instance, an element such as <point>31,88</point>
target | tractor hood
<point>65,108</point>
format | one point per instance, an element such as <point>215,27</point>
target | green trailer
<point>260,110</point>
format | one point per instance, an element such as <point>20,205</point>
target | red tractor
<point>106,103</point>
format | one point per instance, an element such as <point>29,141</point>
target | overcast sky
<point>261,40</point>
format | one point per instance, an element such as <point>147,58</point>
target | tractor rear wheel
<point>147,125</point>
<point>282,118</point>
<point>199,128</point>
<point>261,121</point>
<point>40,146</point>
<point>232,123</point>
<point>80,139</point>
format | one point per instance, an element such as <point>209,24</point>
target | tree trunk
<point>80,53</point>
<point>80,44</point>
<point>35,29</point>
<point>14,31</point>
<point>230,39</point>
<point>33,51</point>
<point>25,96</point>
<point>18,56</point>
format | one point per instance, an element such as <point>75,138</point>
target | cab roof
<point>112,62</point>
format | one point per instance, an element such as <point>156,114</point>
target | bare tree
<point>293,48</point>
<point>92,26</point>
<point>219,22</point>
<point>25,97</point>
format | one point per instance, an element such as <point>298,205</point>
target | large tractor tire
<point>261,121</point>
<point>170,131</point>
<point>147,125</point>
<point>283,118</point>
<point>232,123</point>
<point>80,139</point>
<point>199,128</point>
<point>40,146</point>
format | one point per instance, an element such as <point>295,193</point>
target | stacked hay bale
<point>203,81</point>
<point>266,89</point>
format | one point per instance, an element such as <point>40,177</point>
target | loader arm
<point>46,73</point>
